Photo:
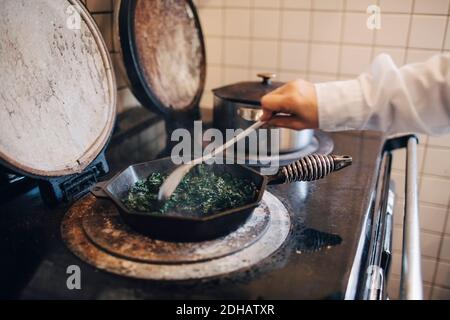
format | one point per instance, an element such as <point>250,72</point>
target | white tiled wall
<point>102,11</point>
<point>324,40</point>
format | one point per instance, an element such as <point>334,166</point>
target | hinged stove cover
<point>163,53</point>
<point>57,91</point>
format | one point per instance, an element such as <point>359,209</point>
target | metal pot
<point>237,106</point>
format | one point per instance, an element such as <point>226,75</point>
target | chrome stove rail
<point>411,278</point>
<point>376,240</point>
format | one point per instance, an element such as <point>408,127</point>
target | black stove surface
<point>314,263</point>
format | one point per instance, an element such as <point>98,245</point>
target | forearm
<point>412,98</point>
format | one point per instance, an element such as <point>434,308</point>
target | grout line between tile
<point>341,40</point>
<point>279,40</point>
<point>354,44</point>
<point>309,48</point>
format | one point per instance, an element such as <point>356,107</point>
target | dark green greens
<point>201,192</point>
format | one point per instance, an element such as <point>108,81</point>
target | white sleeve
<point>413,98</point>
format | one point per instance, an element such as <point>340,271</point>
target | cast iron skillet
<point>174,227</point>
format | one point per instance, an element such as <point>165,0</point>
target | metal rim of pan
<point>139,84</point>
<point>124,209</point>
<point>172,227</point>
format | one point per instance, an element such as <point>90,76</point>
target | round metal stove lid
<point>105,228</point>
<point>204,262</point>
<point>163,52</point>
<point>58,92</point>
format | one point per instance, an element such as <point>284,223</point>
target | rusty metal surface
<point>170,51</point>
<point>76,238</point>
<point>104,227</point>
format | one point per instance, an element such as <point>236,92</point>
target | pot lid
<point>163,53</point>
<point>57,92</point>
<point>249,92</point>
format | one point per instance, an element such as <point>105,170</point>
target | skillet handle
<point>98,189</point>
<point>309,168</point>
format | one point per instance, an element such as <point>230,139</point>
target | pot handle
<point>309,168</point>
<point>253,114</point>
<point>249,114</point>
<point>267,77</point>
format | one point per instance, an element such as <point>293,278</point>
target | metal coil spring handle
<point>311,167</point>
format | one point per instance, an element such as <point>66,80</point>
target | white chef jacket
<point>413,98</point>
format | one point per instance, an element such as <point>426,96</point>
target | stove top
<point>309,255</point>
<point>94,231</point>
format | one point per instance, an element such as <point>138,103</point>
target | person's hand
<point>298,100</point>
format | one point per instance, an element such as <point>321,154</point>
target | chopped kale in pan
<point>201,192</point>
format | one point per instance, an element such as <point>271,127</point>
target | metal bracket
<point>71,188</point>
